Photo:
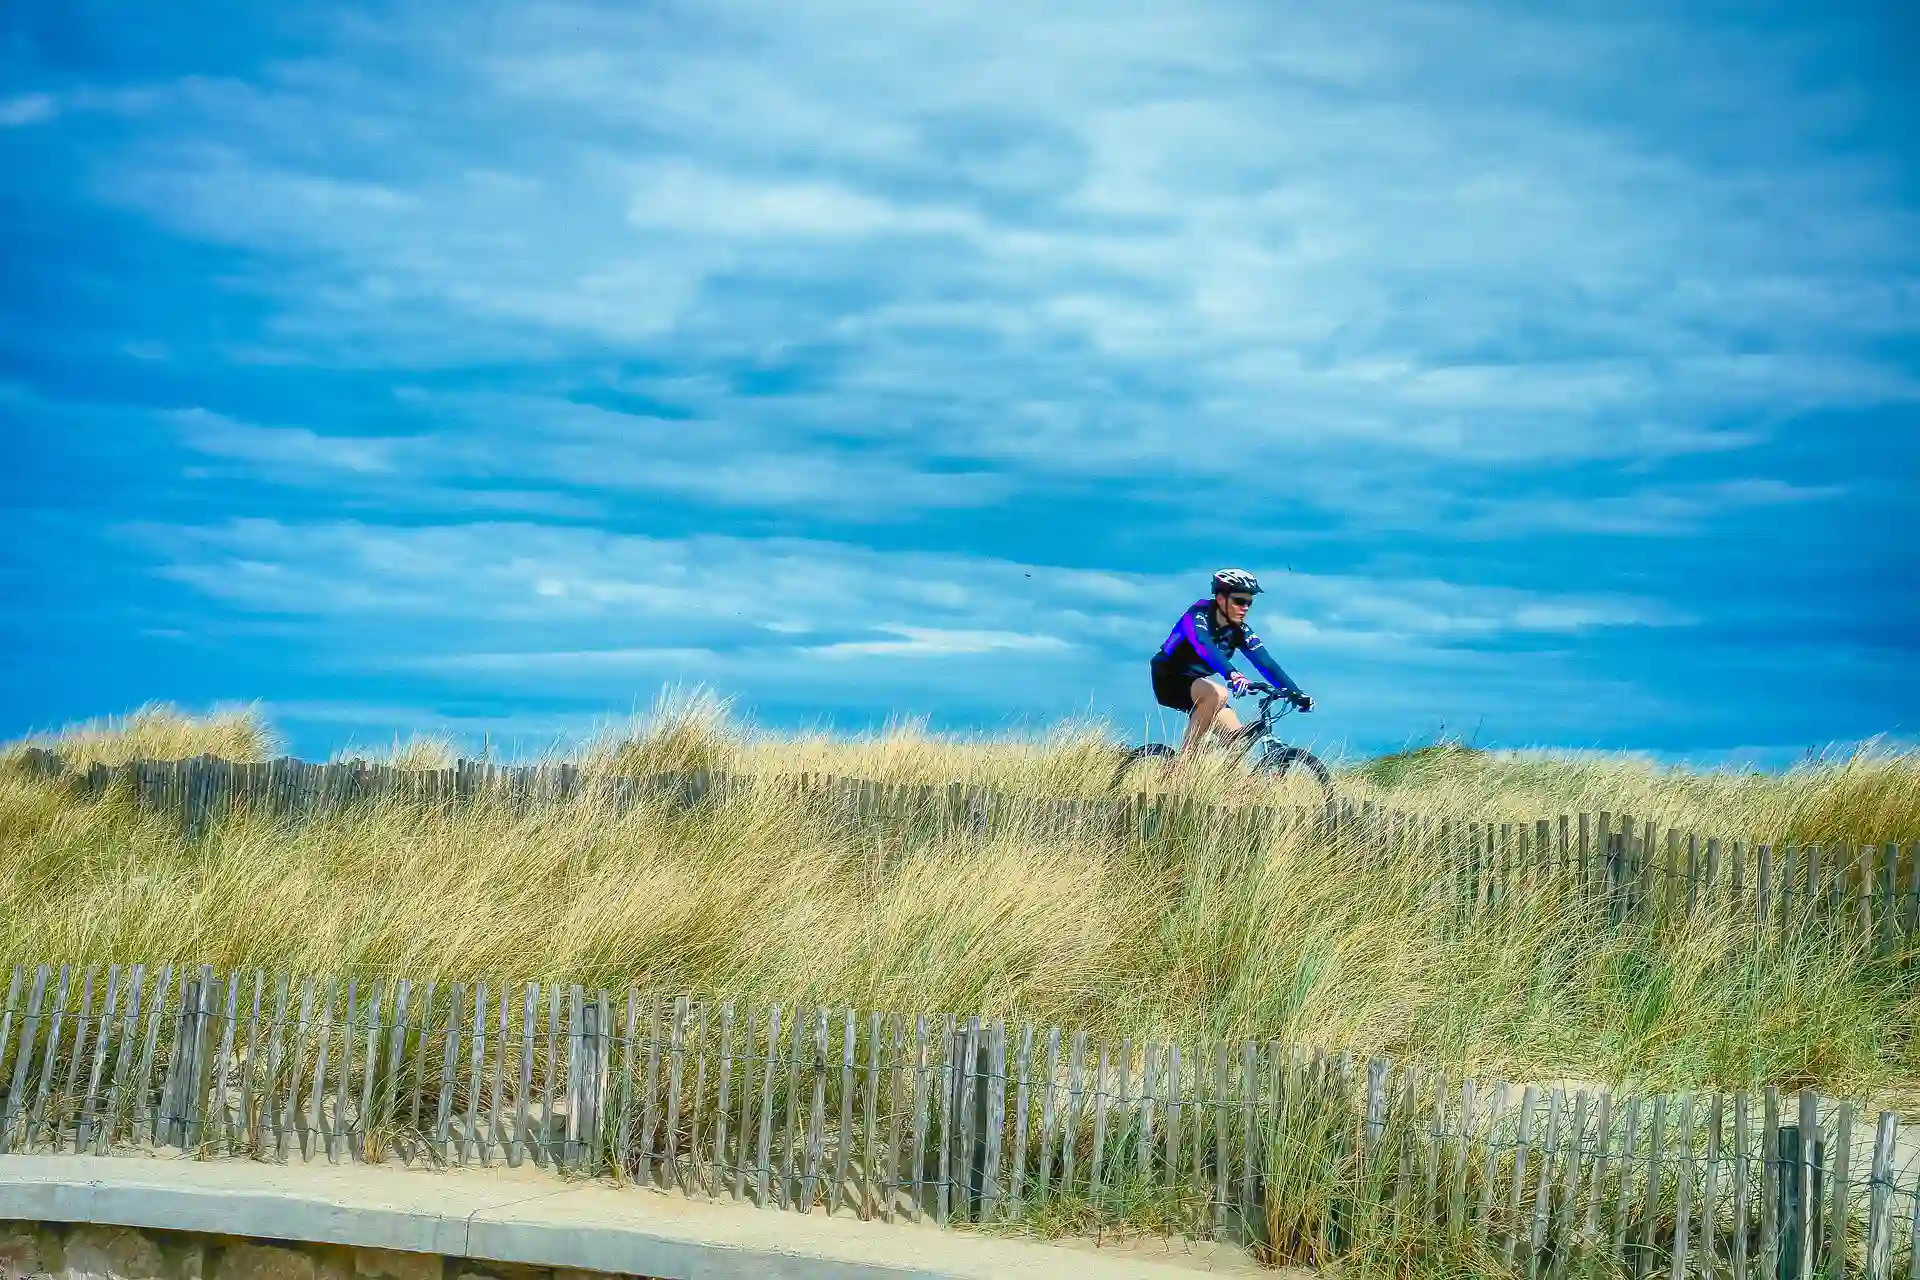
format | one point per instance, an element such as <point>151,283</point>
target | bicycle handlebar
<point>1269,695</point>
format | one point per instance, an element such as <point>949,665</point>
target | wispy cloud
<point>1380,275</point>
<point>622,661</point>
<point>502,612</point>
<point>573,345</point>
<point>25,109</point>
<point>935,642</point>
<point>286,451</point>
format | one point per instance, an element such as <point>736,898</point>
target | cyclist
<point>1193,671</point>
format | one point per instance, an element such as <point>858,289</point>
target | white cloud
<point>577,660</point>
<point>282,449</point>
<point>487,620</point>
<point>519,599</point>
<point>1289,224</point>
<point>25,109</point>
<point>935,642</point>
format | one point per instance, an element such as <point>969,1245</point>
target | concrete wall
<point>50,1251</point>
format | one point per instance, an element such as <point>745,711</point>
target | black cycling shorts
<point>1173,688</point>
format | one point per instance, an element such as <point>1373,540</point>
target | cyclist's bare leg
<point>1210,712</point>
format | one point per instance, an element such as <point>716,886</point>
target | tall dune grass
<point>1870,795</point>
<point>765,895</point>
<point>158,731</point>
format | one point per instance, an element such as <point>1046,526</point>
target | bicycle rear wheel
<point>1132,757</point>
<point>1278,761</point>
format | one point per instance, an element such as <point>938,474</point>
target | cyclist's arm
<point>1196,635</point>
<point>1263,663</point>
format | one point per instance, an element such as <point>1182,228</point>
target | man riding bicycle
<point>1193,671</point>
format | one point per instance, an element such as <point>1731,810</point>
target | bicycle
<point>1275,758</point>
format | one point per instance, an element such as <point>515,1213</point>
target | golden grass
<point>418,751</point>
<point>765,896</point>
<point>768,896</point>
<point>1871,795</point>
<point>159,732</point>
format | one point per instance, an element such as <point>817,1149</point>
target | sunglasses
<point>1243,601</point>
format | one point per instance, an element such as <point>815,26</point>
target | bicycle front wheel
<point>1152,751</point>
<point>1278,761</point>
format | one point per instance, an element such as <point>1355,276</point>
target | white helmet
<point>1236,580</point>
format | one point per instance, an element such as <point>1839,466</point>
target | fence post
<point>1787,1207</point>
<point>972,1127</point>
<point>190,1108</point>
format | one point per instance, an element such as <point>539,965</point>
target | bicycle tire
<point>1278,761</point>
<point>1133,756</point>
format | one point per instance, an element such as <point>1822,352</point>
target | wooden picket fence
<point>1628,870</point>
<point>1296,1152</point>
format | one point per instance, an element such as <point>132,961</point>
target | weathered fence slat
<point>870,1161</point>
<point>49,1056</point>
<point>336,1131</point>
<point>649,1095</point>
<point>1683,1213</point>
<point>1463,1155</point>
<point>1536,1236</point>
<point>1590,1221</point>
<point>1742,1184</point>
<point>996,1117</point>
<point>763,1153</point>
<point>1839,1217</point>
<point>599,1065</point>
<point>1491,1155</point>
<point>1657,1136</point>
<point>1807,1161</point>
<point>721,1103</point>
<point>1623,1199</point>
<point>676,1056</point>
<point>1880,1198</point>
<point>943,1119</point>
<point>1710,1198</point>
<point>1523,1142</point>
<point>1172,1111</point>
<point>83,1132</point>
<point>816,1117</point>
<point>917,1156</point>
<point>498,1011</point>
<point>147,1113</point>
<point>311,1133</point>
<point>449,1067</point>
<point>83,1026</point>
<point>267,1120</point>
<point>1770,1178</point>
<point>570,1154</point>
<point>792,1121</point>
<point>1096,1165</point>
<point>1049,1087</point>
<point>747,1060</point>
<point>1219,1109</point>
<point>362,1148</point>
<point>1913,1240</point>
<point>838,1194</point>
<point>551,1134</point>
<point>697,1170</point>
<point>899,1085</point>
<point>1564,1222</point>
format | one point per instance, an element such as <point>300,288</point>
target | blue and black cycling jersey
<point>1200,646</point>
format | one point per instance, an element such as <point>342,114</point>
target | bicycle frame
<point>1260,729</point>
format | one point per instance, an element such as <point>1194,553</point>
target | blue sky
<point>481,368</point>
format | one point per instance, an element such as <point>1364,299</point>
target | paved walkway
<point>528,1217</point>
